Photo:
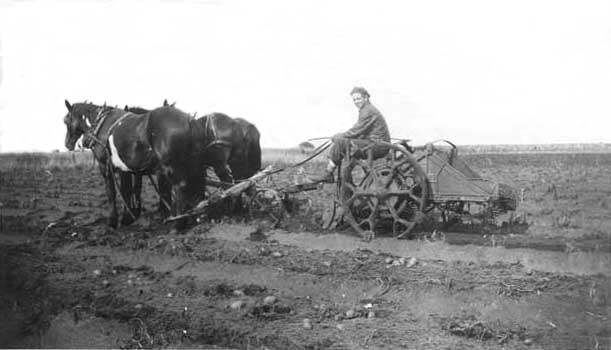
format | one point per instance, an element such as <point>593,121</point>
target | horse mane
<point>214,114</point>
<point>137,110</point>
<point>86,108</point>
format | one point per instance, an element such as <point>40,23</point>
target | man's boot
<point>327,176</point>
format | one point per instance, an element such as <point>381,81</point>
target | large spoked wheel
<point>388,193</point>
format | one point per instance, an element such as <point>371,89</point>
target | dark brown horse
<point>79,121</point>
<point>233,150</point>
<point>225,144</point>
<point>251,151</point>
<point>165,141</point>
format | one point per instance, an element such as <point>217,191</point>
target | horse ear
<point>173,104</point>
<point>165,102</point>
<point>68,105</point>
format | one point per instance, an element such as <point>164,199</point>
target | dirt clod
<point>307,324</point>
<point>269,300</point>
<point>237,305</point>
<point>350,314</point>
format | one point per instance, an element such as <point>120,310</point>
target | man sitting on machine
<point>370,126</point>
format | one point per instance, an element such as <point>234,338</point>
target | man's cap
<point>359,90</point>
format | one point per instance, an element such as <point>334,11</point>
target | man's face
<point>359,100</point>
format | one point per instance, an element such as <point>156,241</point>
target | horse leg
<point>222,169</point>
<point>109,181</point>
<point>224,172</point>
<point>137,193</point>
<point>127,193</point>
<point>218,157</point>
<point>179,196</point>
<point>195,186</point>
<point>165,194</point>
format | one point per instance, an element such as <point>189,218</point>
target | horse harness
<point>97,125</point>
<point>209,125</point>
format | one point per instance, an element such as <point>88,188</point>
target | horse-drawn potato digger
<point>393,193</point>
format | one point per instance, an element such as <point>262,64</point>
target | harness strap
<point>217,142</point>
<point>100,119</point>
<point>117,122</point>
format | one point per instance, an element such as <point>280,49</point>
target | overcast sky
<point>474,72</point>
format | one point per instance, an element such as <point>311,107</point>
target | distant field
<point>550,148</point>
<point>36,161</point>
<point>285,156</point>
<point>42,161</point>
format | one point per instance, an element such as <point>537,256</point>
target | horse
<point>225,145</point>
<point>251,151</point>
<point>234,150</point>
<point>165,141</point>
<point>79,121</point>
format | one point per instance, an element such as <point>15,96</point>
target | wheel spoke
<point>416,199</point>
<point>351,187</point>
<point>408,225</point>
<point>394,187</point>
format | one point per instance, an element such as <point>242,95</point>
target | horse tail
<point>254,149</point>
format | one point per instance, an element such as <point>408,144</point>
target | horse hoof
<point>113,223</point>
<point>125,221</point>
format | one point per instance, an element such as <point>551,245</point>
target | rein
<point>217,142</point>
<point>317,151</point>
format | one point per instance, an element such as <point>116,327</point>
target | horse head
<point>76,122</point>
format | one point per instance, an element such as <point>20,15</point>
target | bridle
<point>96,126</point>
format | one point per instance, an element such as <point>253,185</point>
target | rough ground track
<point>140,287</point>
